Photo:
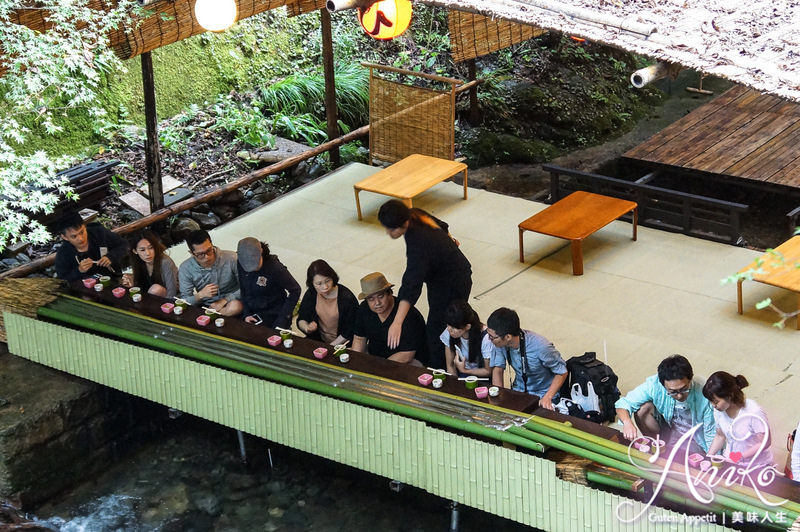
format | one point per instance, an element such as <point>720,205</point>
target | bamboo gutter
<point>534,433</point>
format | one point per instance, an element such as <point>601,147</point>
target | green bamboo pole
<point>614,482</point>
<point>620,452</point>
<point>297,382</point>
<point>733,503</point>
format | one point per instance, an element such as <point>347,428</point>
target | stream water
<point>191,478</point>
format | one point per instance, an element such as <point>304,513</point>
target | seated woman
<point>153,270</point>
<point>268,290</point>
<point>467,347</point>
<point>742,425</point>
<point>328,309</point>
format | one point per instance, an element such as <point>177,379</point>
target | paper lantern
<point>215,15</point>
<point>386,19</point>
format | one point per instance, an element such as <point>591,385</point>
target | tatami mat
<point>642,300</point>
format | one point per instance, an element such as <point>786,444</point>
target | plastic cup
<point>135,290</point>
<point>439,375</point>
<point>105,280</point>
<point>288,343</point>
<point>494,391</point>
<point>285,335</point>
<point>344,358</point>
<point>471,382</point>
<point>437,383</point>
<point>180,303</point>
<point>219,322</point>
<point>98,287</point>
<point>136,297</point>
<point>177,310</point>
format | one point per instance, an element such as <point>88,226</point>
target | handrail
<point>187,204</point>
<point>433,77</point>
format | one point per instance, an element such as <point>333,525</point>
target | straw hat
<point>372,284</point>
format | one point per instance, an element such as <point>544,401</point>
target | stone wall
<point>57,430</point>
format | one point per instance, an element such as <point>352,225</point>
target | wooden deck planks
<point>741,134</point>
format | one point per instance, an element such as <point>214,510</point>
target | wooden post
<point>330,84</point>
<point>151,153</point>
<point>474,111</point>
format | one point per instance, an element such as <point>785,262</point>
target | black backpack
<point>586,368</point>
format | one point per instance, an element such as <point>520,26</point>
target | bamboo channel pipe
<point>295,381</point>
<point>187,204</point>
<point>565,442</point>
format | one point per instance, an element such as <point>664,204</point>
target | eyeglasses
<point>673,393</point>
<point>203,254</point>
<point>493,337</point>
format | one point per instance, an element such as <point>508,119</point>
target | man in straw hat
<point>374,317</point>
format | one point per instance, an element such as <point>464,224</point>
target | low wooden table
<point>777,271</point>
<point>410,177</point>
<point>574,218</point>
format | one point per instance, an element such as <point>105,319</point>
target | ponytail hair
<point>725,386</point>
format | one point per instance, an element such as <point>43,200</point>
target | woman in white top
<point>467,347</point>
<point>742,425</point>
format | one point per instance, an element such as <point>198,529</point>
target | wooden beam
<point>151,152</point>
<point>331,112</point>
<point>187,204</point>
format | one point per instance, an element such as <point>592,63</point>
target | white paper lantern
<point>215,15</point>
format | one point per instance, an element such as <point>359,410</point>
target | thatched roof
<point>751,42</point>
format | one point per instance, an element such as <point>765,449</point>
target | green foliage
<point>303,127</point>
<point>245,122</point>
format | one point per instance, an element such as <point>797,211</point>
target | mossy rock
<point>483,147</point>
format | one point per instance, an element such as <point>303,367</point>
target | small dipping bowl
<point>98,287</point>
<point>471,382</point>
<point>203,320</point>
<point>705,465</point>
<point>716,461</point>
<point>178,310</point>
<point>136,298</point>
<point>437,383</point>
<point>425,379</point>
<point>167,308</point>
<point>219,322</point>
<point>481,392</point>
<point>89,282</point>
<point>118,291</point>
<point>105,280</point>
<point>134,290</point>
<point>344,358</point>
<point>320,352</point>
<point>274,340</point>
<point>494,391</point>
<point>288,343</point>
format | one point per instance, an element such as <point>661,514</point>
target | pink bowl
<point>274,340</point>
<point>89,282</point>
<point>481,392</point>
<point>202,319</point>
<point>695,459</point>
<point>167,307</point>
<point>320,352</point>
<point>118,291</point>
<point>425,379</point>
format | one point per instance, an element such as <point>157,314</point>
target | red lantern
<point>386,19</point>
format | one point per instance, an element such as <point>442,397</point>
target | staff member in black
<point>432,257</point>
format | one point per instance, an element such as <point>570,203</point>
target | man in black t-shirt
<point>375,316</point>
<point>88,249</point>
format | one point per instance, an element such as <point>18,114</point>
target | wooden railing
<point>661,208</point>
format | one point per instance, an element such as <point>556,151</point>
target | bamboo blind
<point>493,478</point>
<point>473,35</point>
<point>299,7</point>
<point>406,119</point>
<point>170,21</point>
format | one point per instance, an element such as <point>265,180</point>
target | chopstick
<point>209,309</point>
<point>440,371</point>
<point>476,378</point>
<point>95,262</point>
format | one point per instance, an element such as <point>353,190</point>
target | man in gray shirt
<point>209,276</point>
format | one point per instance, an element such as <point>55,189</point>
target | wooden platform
<point>741,134</point>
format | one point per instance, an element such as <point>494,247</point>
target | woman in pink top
<point>742,425</point>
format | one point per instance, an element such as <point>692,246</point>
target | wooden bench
<point>776,268</point>
<point>574,218</point>
<point>410,177</point>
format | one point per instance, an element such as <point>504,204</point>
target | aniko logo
<point>701,483</point>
